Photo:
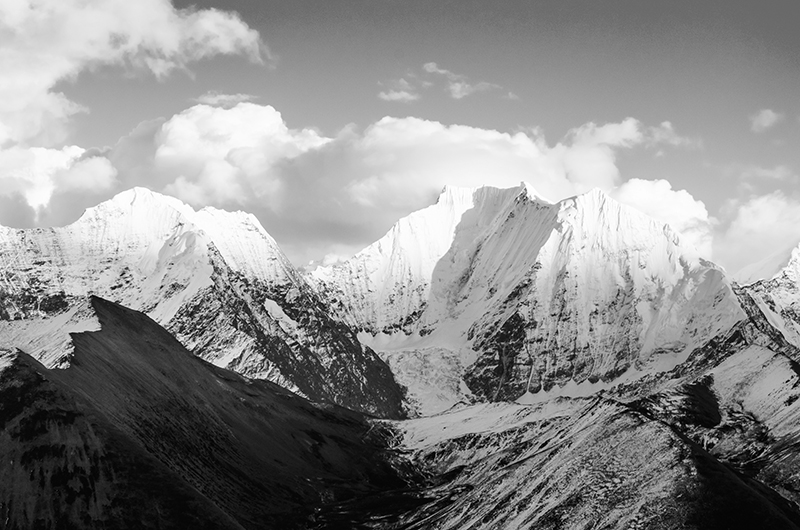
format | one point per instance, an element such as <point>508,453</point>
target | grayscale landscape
<point>404,310</point>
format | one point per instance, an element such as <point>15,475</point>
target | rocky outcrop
<point>575,463</point>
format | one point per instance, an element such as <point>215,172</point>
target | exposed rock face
<point>137,432</point>
<point>536,296</point>
<point>690,415</point>
<point>576,463</point>
<point>215,279</point>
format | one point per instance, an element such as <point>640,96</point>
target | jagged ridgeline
<point>214,279</point>
<point>569,365</point>
<point>139,433</point>
<point>532,297</point>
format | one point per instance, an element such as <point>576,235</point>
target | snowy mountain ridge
<point>387,284</point>
<point>651,390</point>
<point>215,279</point>
<point>580,292</point>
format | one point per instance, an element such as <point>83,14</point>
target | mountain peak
<point>455,195</point>
<point>530,192</point>
<point>138,201</point>
<point>594,195</point>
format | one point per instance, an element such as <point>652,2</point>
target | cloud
<point>457,84</point>
<point>398,95</point>
<point>48,41</point>
<point>779,173</point>
<point>678,208</point>
<point>36,173</point>
<point>400,90</point>
<point>665,133</point>
<point>758,227</point>
<point>227,155</point>
<point>408,89</point>
<point>764,119</point>
<point>320,195</point>
<point>215,99</point>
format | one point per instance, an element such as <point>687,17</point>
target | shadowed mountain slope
<point>138,432</point>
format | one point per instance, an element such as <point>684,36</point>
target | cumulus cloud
<point>760,226</point>
<point>215,99</point>
<point>764,119</point>
<point>320,195</point>
<point>227,155</point>
<point>35,173</point>
<point>45,42</point>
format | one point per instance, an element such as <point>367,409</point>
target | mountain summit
<point>531,296</point>
<point>214,279</point>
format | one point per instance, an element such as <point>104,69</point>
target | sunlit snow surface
<point>214,279</point>
<point>586,292</point>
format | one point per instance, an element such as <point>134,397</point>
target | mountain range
<point>494,361</point>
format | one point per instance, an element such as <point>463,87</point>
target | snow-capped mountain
<point>215,279</point>
<point>765,268</point>
<point>533,296</point>
<point>652,391</point>
<point>778,297</point>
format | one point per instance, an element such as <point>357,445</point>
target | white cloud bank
<point>326,195</point>
<point>332,196</point>
<point>321,195</point>
<point>761,226</point>
<point>45,42</point>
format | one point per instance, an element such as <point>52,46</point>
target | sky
<point>331,120</point>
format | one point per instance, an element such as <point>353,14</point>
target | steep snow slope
<point>605,291</point>
<point>385,287</point>
<point>765,268</point>
<point>779,298</point>
<point>139,433</point>
<point>536,296</point>
<point>215,279</point>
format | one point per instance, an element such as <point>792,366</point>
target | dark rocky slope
<point>138,432</point>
